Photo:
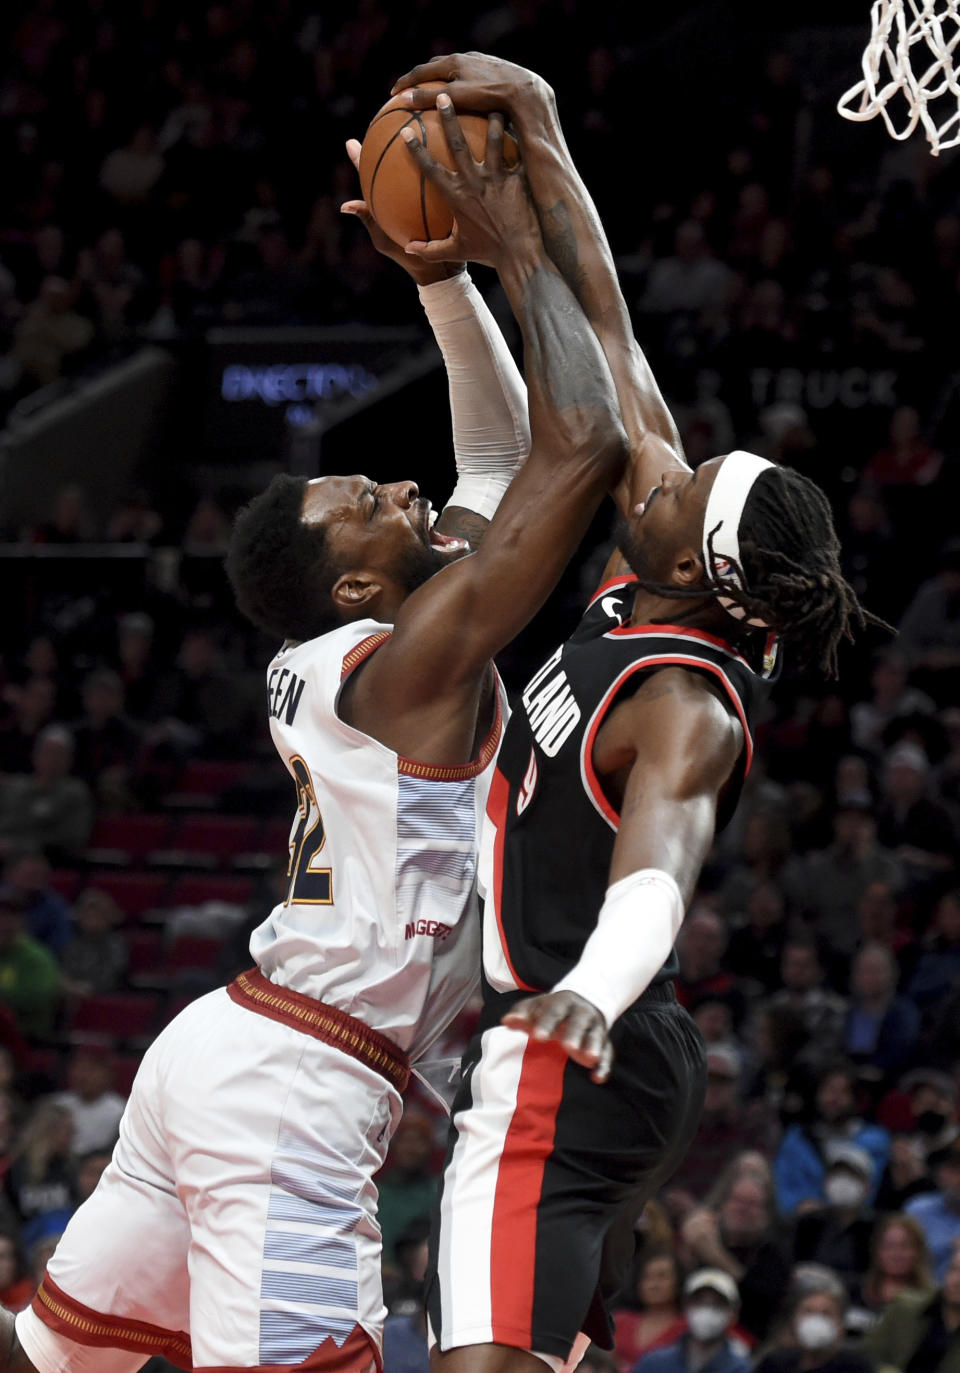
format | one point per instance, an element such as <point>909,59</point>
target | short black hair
<point>279,567</point>
<point>790,573</point>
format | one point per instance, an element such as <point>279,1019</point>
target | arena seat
<point>193,889</point>
<point>123,1017</point>
<point>124,840</point>
<point>134,892</point>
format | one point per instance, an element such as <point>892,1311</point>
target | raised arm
<point>488,400</point>
<point>575,239</point>
<point>447,630</point>
<point>671,748</point>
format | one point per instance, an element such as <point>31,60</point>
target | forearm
<point>576,241</point>
<point>572,399</point>
<point>488,399</point>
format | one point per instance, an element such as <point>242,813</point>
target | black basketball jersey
<point>550,829</point>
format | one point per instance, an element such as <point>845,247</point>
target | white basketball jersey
<point>380,918</point>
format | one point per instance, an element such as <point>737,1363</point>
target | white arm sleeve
<point>488,398</point>
<point>635,930</point>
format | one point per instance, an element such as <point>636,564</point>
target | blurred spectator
<point>106,741</point>
<point>201,696</point>
<point>42,1168</point>
<point>407,1187</point>
<point>838,1235</point>
<point>26,877</point>
<point>908,460</point>
<point>403,1275</point>
<point>815,1339</point>
<point>892,696</point>
<point>30,706</point>
<point>779,1065</point>
<point>88,1169</point>
<point>900,1262</point>
<point>905,1175</point>
<point>131,172</point>
<point>49,808</point>
<point>134,520</point>
<point>938,967</point>
<point>930,628</point>
<point>405,1342</point>
<point>918,1333</point>
<point>16,1286</point>
<point>917,827</point>
<point>29,977</point>
<point>823,1012</point>
<point>95,960</point>
<point>50,335</point>
<point>801,1163</point>
<point>691,282</point>
<point>700,949</point>
<point>135,662</point>
<point>655,1317</point>
<point>739,1235</point>
<point>69,520</point>
<point>94,1107</point>
<point>939,1211</point>
<point>831,881</point>
<point>756,946</point>
<point>882,1028</point>
<point>727,1127</point>
<point>710,1306</point>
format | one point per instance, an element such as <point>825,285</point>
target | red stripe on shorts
<point>357,1354</point>
<point>526,1148</point>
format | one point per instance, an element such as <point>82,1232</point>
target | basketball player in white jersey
<point>235,1226</point>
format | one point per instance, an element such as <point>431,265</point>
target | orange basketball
<point>401,199</point>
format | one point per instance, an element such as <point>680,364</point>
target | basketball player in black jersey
<point>584,1084</point>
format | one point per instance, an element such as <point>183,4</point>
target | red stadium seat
<point>146,956</point>
<point>134,892</point>
<point>217,838</point>
<point>127,838</point>
<point>125,1016</point>
<point>66,881</point>
<point>193,889</point>
<point>192,951</point>
<point>204,780</point>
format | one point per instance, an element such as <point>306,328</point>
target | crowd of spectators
<point>171,168</point>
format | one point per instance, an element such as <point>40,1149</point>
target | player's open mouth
<point>447,542</point>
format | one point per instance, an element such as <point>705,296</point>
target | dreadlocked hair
<point>278,566</point>
<point>790,570</point>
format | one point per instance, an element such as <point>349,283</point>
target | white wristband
<point>635,930</point>
<point>488,398</point>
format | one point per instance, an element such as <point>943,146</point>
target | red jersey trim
<point>95,1328</point>
<point>497,802</point>
<point>362,650</point>
<point>685,632</point>
<point>336,1028</point>
<point>625,579</point>
<point>588,773</point>
<point>434,772</point>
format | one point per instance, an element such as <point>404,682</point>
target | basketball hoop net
<point>911,53</point>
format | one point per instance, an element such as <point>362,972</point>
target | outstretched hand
<point>493,213</point>
<point>476,81</point>
<point>423,273</point>
<point>570,1021</point>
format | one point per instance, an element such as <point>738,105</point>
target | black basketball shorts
<point>546,1172</point>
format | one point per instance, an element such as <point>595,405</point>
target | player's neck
<point>706,615</point>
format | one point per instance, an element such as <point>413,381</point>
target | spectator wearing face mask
<point>838,1235</point>
<point>711,1304</point>
<point>815,1337</point>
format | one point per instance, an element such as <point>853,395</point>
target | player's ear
<point>687,567</point>
<point>358,590</point>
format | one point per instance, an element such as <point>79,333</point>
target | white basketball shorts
<point>235,1225</point>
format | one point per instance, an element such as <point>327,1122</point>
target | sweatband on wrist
<point>488,398</point>
<point>635,930</point>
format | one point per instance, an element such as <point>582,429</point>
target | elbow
<point>607,447</point>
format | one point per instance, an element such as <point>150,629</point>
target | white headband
<point>721,523</point>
